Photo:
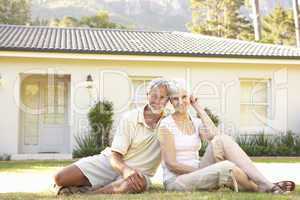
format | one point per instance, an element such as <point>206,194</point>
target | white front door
<point>44,117</point>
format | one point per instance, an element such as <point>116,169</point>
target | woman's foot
<point>287,186</point>
<point>276,190</point>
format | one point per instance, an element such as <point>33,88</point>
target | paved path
<point>42,181</point>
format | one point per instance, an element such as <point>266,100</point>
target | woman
<point>224,162</point>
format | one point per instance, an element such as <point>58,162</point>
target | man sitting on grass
<point>133,157</point>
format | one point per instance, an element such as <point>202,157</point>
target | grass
<point>32,165</point>
<point>276,159</point>
<point>158,193</point>
<point>22,166</point>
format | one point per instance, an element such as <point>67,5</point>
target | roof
<point>131,42</point>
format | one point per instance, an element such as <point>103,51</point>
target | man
<point>133,157</point>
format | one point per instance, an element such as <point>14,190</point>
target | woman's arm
<point>168,153</point>
<point>210,129</point>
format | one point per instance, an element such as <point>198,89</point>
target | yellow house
<point>50,77</point>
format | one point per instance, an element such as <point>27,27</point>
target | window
<point>56,102</point>
<point>139,96</point>
<point>254,103</point>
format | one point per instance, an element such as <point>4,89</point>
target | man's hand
<point>134,178</point>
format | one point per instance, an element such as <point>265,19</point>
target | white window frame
<point>268,104</point>
<point>139,78</point>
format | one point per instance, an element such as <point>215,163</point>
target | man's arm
<point>134,178</point>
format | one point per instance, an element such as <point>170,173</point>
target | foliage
<point>270,145</point>
<point>220,18</point>
<point>5,157</point>
<point>100,20</point>
<point>279,27</point>
<point>213,117</point>
<point>100,121</point>
<point>267,145</point>
<point>15,12</point>
<point>86,146</point>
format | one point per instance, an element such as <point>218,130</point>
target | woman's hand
<point>195,103</point>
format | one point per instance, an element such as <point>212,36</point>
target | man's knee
<point>58,179</point>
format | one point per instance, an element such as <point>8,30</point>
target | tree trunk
<point>256,19</point>
<point>296,19</point>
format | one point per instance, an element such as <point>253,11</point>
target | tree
<point>39,22</point>
<point>68,21</point>
<point>220,18</point>
<point>278,26</point>
<point>296,21</point>
<point>100,20</point>
<point>15,12</point>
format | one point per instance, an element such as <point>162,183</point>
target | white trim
<point>145,58</point>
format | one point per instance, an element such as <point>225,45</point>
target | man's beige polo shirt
<point>137,142</point>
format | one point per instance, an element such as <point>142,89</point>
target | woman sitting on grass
<point>224,162</point>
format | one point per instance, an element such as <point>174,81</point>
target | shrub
<point>100,121</point>
<point>270,145</point>
<point>5,157</point>
<point>213,117</point>
<point>267,145</point>
<point>86,146</point>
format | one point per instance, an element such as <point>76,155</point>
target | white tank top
<point>186,146</point>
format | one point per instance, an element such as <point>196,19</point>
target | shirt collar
<point>141,118</point>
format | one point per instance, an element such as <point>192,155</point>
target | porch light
<point>89,82</point>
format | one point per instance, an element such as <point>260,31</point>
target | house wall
<point>218,89</point>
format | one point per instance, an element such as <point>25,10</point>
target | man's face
<point>158,98</point>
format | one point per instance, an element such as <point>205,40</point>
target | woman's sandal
<point>287,186</point>
<point>277,190</point>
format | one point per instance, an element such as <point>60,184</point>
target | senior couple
<point>146,136</point>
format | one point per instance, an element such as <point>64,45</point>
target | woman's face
<point>180,101</point>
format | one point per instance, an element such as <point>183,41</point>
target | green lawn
<point>21,166</point>
<point>276,159</point>
<point>32,165</point>
<point>156,192</point>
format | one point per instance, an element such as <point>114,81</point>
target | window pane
<point>253,92</point>
<point>253,115</point>
<point>140,93</point>
<point>60,93</point>
<point>31,129</point>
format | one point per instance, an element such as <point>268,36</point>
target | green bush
<point>86,146</point>
<point>5,157</point>
<point>270,145</point>
<point>213,117</point>
<point>267,145</point>
<point>100,121</point>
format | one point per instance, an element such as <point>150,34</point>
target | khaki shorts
<point>211,177</point>
<point>98,170</point>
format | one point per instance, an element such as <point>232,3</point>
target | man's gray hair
<point>158,82</point>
